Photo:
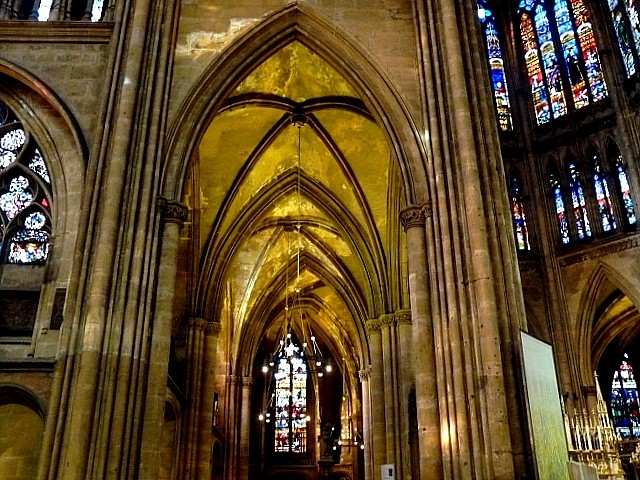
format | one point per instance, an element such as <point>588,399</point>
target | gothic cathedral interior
<point>319,239</point>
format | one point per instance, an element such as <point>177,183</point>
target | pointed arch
<point>301,23</point>
<point>604,279</point>
<point>266,311</point>
<point>60,141</point>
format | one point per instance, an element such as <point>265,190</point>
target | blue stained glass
<point>539,93</point>
<point>589,50</point>
<point>624,401</point>
<point>29,246</point>
<point>571,54</point>
<point>527,4</point>
<point>17,198</point>
<point>24,236</point>
<point>35,221</point>
<point>38,166</point>
<point>624,42</point>
<point>290,401</point>
<point>96,10</point>
<point>634,20</point>
<point>583,227</point>
<point>496,64</point>
<point>563,225</point>
<point>625,191</point>
<point>6,158</point>
<point>13,140</point>
<point>519,216</point>
<point>602,196</point>
<point>44,9</point>
<point>550,62</point>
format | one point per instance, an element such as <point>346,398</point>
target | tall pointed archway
<point>295,188</point>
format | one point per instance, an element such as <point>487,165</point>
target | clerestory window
<point>496,67</point>
<point>561,57</point>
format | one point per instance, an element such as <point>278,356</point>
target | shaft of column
<point>386,324</point>
<point>414,221</point>
<point>174,216</point>
<point>205,442</point>
<point>245,427</point>
<point>379,437</point>
<point>366,423</point>
<point>406,374</point>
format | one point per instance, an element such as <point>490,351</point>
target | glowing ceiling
<point>257,213</point>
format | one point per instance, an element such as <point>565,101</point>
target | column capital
<point>403,317</point>
<point>213,328</point>
<point>172,212</point>
<point>198,323</point>
<point>373,326</point>
<point>364,374</point>
<point>387,320</point>
<point>415,215</point>
<point>247,381</point>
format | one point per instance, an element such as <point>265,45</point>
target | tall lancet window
<point>496,67</point>
<point>25,189</point>
<point>603,197</point>
<point>626,24</point>
<point>580,216</point>
<point>559,204</point>
<point>560,53</point>
<point>623,188</point>
<point>518,214</point>
<point>624,401</point>
<point>291,400</point>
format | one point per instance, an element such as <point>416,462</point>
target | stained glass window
<point>496,67</point>
<point>539,91</point>
<point>560,49</point>
<point>624,190</point>
<point>626,25</point>
<point>96,10</point>
<point>25,223</point>
<point>583,227</point>
<point>624,401</point>
<point>561,211</point>
<point>291,401</point>
<point>44,9</point>
<point>603,198</point>
<point>519,215</point>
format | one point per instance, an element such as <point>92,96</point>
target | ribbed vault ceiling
<point>259,213</point>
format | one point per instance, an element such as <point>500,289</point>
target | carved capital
<point>372,326</point>
<point>387,320</point>
<point>213,328</point>
<point>364,374</point>
<point>172,212</point>
<point>198,323</point>
<point>403,317</point>
<point>415,216</point>
<point>247,381</point>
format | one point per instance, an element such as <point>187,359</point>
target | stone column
<point>232,426</point>
<point>414,220</point>
<point>205,443</point>
<point>387,323</point>
<point>245,428</point>
<point>406,376</point>
<point>379,437</point>
<point>366,423</point>
<point>191,427</point>
<point>173,216</point>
